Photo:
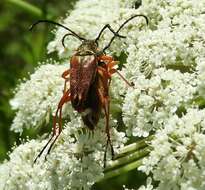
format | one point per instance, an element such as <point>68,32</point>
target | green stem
<point>127,159</point>
<point>123,169</point>
<point>35,11</point>
<point>134,146</point>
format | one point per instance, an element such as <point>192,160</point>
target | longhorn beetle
<point>89,76</point>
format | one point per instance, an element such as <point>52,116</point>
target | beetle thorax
<point>88,47</point>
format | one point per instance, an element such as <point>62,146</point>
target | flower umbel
<point>164,60</point>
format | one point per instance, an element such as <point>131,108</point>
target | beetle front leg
<point>106,58</point>
<point>112,71</point>
<point>110,64</point>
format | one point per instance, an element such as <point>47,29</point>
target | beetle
<point>89,77</point>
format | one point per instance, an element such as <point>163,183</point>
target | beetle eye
<point>101,63</point>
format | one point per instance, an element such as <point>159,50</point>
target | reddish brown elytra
<point>89,77</point>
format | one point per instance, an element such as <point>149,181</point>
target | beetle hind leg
<point>65,76</point>
<point>57,119</point>
<point>106,108</point>
<point>58,116</point>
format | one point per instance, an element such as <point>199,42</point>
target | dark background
<point>20,51</point>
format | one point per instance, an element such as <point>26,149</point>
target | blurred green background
<point>20,51</point>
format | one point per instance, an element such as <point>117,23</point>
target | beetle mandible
<point>89,76</point>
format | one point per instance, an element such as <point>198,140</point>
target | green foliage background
<point>20,52</point>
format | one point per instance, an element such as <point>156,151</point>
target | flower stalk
<point>35,11</point>
<point>123,169</point>
<point>134,146</point>
<point>129,158</point>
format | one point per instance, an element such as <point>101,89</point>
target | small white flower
<point>148,186</point>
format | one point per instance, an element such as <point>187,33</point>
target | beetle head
<point>88,47</point>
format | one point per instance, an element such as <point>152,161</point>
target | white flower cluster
<point>75,161</point>
<point>178,153</point>
<point>165,60</point>
<point>163,63</point>
<point>167,94</point>
<point>38,97</point>
<point>154,100</point>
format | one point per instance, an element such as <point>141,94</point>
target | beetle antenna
<point>110,28</point>
<point>64,37</point>
<point>58,24</point>
<point>116,33</point>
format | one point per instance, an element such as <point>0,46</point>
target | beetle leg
<point>110,61</point>
<point>112,71</point>
<point>107,115</point>
<point>65,76</point>
<point>110,64</point>
<point>103,93</point>
<point>106,58</point>
<point>106,107</point>
<point>42,150</point>
<point>65,98</point>
<point>103,71</point>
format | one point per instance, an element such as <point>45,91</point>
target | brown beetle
<point>89,76</point>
